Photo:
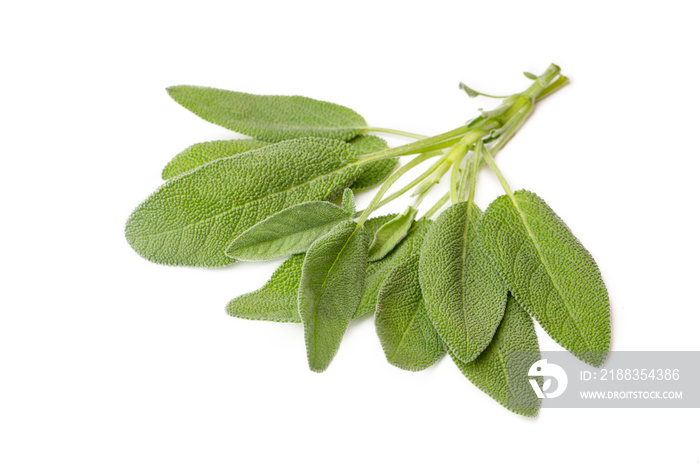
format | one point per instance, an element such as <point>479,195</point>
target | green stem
<point>554,87</point>
<point>454,177</point>
<point>442,166</point>
<point>387,184</point>
<point>463,185</point>
<point>424,145</point>
<point>438,205</point>
<point>512,127</point>
<point>474,172</point>
<point>397,132</point>
<point>419,199</point>
<point>413,183</point>
<point>492,164</point>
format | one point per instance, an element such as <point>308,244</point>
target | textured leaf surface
<point>191,219</point>
<point>375,172</point>
<point>379,270</point>
<point>408,337</point>
<point>550,273</point>
<point>205,152</point>
<point>277,300</point>
<point>289,231</point>
<point>348,202</point>
<point>391,233</point>
<point>271,118</point>
<point>331,286</point>
<point>501,370</point>
<point>464,296</point>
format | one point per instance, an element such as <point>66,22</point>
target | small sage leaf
<point>470,92</point>
<point>378,271</point>
<point>191,219</point>
<point>205,152</point>
<point>375,172</point>
<point>549,272</point>
<point>529,75</point>
<point>464,296</point>
<point>331,286</point>
<point>391,234</point>
<point>289,231</point>
<point>348,202</point>
<point>501,371</point>
<point>408,337</point>
<point>271,118</point>
<point>277,300</point>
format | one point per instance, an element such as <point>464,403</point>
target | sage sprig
<point>457,281</point>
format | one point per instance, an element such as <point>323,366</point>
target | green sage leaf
<point>271,118</point>
<point>501,371</point>
<point>550,273</point>
<point>408,337</point>
<point>375,172</point>
<point>191,219</point>
<point>348,202</point>
<point>391,234</point>
<point>289,231</point>
<point>205,152</point>
<point>378,271</point>
<point>276,301</point>
<point>464,296</point>
<point>331,286</point>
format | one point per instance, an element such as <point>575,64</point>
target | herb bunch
<point>467,282</point>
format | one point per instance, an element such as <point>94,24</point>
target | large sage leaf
<point>205,152</point>
<point>464,296</point>
<point>378,271</point>
<point>271,118</point>
<point>277,300</point>
<point>289,231</point>
<point>550,273</point>
<point>373,172</point>
<point>331,286</point>
<point>191,219</point>
<point>502,369</point>
<point>408,337</point>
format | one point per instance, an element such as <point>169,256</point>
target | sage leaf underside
<point>272,118</point>
<point>391,234</point>
<point>464,296</point>
<point>290,231</point>
<point>191,219</point>
<point>331,286</point>
<point>205,152</point>
<point>405,331</point>
<point>378,271</point>
<point>277,300</point>
<point>549,272</point>
<point>501,371</point>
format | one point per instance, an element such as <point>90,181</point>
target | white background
<point>107,359</point>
